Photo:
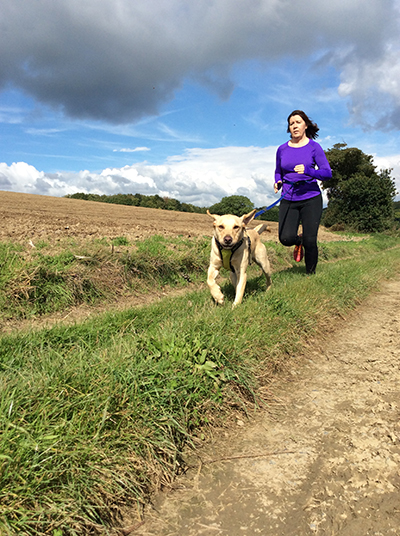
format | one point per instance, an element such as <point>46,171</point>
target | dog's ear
<point>213,216</point>
<point>248,217</point>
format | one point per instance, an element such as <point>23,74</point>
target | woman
<point>299,163</point>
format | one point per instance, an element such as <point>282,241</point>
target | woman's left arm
<point>324,171</point>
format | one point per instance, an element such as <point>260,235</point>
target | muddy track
<point>323,460</point>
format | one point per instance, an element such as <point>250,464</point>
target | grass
<point>95,416</point>
<point>43,281</point>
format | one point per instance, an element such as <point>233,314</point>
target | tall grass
<point>42,281</point>
<point>95,416</point>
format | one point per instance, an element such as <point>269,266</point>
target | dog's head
<point>229,229</point>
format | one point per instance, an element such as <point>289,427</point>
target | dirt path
<point>323,461</point>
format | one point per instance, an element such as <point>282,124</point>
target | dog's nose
<point>228,239</point>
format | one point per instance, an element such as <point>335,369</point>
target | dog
<point>234,247</point>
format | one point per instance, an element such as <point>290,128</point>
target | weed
<point>120,241</point>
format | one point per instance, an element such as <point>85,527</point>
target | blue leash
<point>292,184</point>
<point>276,202</point>
<point>270,206</point>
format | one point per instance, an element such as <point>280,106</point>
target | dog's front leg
<point>233,278</point>
<point>215,289</point>
<point>241,280</point>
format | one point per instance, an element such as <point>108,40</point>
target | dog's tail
<point>261,228</point>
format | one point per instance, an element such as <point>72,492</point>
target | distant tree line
<point>359,197</point>
<point>140,200</point>
<point>239,205</point>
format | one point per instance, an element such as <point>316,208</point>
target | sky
<point>189,100</point>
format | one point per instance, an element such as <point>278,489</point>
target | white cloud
<point>11,115</point>
<point>390,162</point>
<point>374,90</point>
<point>135,150</point>
<point>199,176</point>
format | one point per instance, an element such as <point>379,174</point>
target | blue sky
<point>189,100</point>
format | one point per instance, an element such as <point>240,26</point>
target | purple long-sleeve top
<point>316,167</point>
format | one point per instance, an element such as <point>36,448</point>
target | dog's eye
<point>236,226</point>
<point>221,227</point>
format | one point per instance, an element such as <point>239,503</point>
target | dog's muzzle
<point>228,241</point>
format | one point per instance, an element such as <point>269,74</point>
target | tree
<point>359,197</point>
<point>233,204</point>
<point>396,206</point>
<point>78,195</point>
<point>152,201</point>
<point>271,215</point>
<point>172,204</point>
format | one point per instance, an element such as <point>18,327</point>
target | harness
<point>226,254</point>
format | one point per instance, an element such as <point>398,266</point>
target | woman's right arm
<point>278,172</point>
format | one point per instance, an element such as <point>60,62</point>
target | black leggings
<point>309,213</point>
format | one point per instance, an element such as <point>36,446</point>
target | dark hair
<point>312,128</point>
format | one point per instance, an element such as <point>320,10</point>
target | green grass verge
<point>95,416</point>
<point>43,281</point>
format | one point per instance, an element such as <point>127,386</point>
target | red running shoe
<point>298,253</point>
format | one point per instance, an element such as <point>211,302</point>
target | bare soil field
<point>25,217</point>
<point>323,460</point>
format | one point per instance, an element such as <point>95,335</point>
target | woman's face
<point>297,127</point>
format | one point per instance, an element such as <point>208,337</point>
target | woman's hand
<point>277,186</point>
<point>299,168</point>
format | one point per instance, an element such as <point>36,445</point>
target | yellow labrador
<point>234,247</point>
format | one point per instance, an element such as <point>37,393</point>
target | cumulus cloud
<point>374,91</point>
<point>119,60</point>
<point>199,176</point>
